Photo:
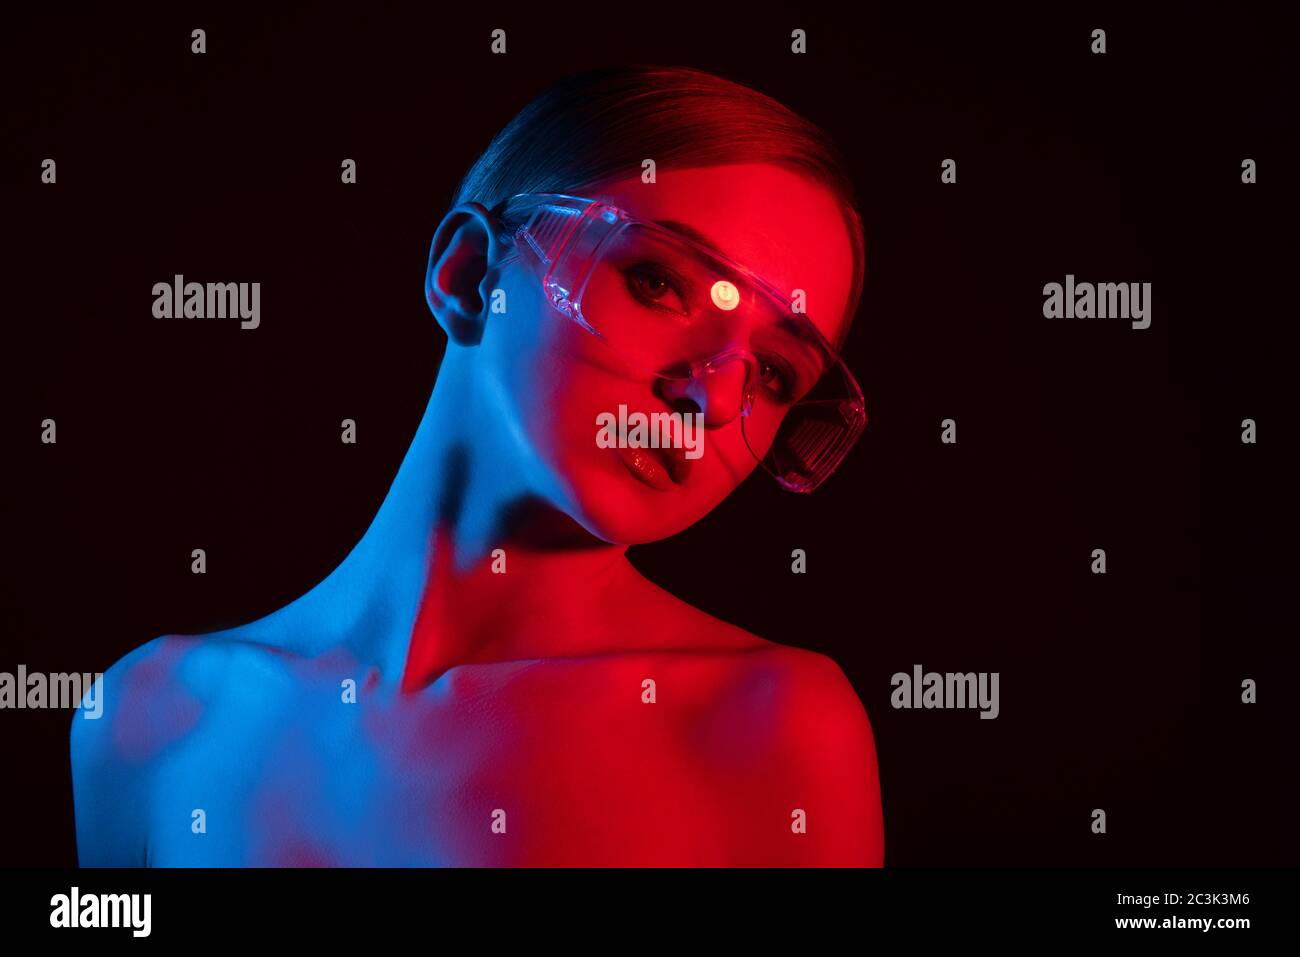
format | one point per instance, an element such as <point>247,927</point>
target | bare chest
<point>554,763</point>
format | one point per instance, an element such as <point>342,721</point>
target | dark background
<point>1119,691</point>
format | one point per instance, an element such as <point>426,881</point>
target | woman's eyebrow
<point>690,232</point>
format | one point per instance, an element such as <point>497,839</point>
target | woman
<point>486,679</point>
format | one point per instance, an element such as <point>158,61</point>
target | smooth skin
<point>506,719</point>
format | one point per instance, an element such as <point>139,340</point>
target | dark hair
<point>598,125</point>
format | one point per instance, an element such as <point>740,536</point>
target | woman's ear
<point>463,269</point>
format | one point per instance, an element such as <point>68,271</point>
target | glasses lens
<point>664,305</point>
<point>813,436</point>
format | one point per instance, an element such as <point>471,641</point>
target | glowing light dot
<point>725,295</point>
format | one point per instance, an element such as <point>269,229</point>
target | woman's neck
<point>464,561</point>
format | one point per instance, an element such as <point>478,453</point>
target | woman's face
<point>557,383</point>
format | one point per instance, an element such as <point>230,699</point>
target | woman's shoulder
<point>162,672</point>
<point>808,688</point>
<point>114,753</point>
<point>791,719</point>
<point>798,667</point>
<point>156,694</point>
<point>154,700</point>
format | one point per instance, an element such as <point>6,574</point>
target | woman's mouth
<point>655,467</point>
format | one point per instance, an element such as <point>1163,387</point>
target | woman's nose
<point>717,392</point>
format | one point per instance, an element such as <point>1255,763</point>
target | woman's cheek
<point>729,462</point>
<point>560,404</point>
<point>563,415</point>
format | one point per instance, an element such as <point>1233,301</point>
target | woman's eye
<point>656,286</point>
<point>776,378</point>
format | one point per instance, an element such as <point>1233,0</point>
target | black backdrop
<point>1119,691</point>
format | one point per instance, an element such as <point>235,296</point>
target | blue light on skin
<point>411,600</point>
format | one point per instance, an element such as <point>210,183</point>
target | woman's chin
<point>629,530</point>
<point>630,516</point>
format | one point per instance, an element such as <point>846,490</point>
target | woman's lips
<point>646,465</point>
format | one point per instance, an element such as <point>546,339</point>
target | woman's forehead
<point>782,226</point>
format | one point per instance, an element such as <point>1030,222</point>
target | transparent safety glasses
<point>672,308</point>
